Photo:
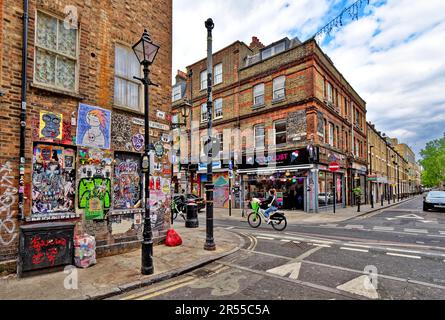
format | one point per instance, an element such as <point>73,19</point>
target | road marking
<point>402,255</point>
<point>357,286</point>
<point>402,250</point>
<point>354,249</point>
<point>354,226</point>
<point>384,228</point>
<point>358,245</point>
<point>330,225</point>
<point>167,290</point>
<point>321,245</point>
<point>230,228</point>
<point>284,240</point>
<point>265,238</point>
<point>296,242</point>
<point>156,288</point>
<point>291,268</point>
<point>416,230</point>
<point>435,235</point>
<point>442,232</point>
<point>410,216</point>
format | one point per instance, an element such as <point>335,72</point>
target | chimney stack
<point>256,44</point>
<point>181,76</point>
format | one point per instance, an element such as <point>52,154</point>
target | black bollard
<point>191,220</point>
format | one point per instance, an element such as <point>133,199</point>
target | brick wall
<point>102,24</point>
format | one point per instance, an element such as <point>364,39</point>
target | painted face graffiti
<point>138,142</point>
<point>50,125</point>
<point>127,184</point>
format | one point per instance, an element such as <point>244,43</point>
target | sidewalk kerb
<point>166,275</point>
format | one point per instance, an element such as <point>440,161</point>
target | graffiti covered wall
<point>8,198</point>
<point>127,182</point>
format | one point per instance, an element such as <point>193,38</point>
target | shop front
<point>358,175</point>
<point>290,173</point>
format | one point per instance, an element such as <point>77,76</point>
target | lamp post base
<point>147,258</point>
<point>209,246</point>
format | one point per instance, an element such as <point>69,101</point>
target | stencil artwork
<point>138,142</point>
<point>159,208</point>
<point>50,125</point>
<point>93,127</point>
<point>121,134</point>
<point>94,190</point>
<point>52,182</point>
<point>127,182</point>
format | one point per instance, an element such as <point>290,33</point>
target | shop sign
<point>215,165</point>
<point>284,158</point>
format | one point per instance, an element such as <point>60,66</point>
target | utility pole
<point>210,243</point>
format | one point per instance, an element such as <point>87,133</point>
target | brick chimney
<point>181,76</point>
<point>256,44</point>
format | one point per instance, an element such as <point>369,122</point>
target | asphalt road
<point>397,253</point>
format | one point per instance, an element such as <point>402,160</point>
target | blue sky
<point>394,55</point>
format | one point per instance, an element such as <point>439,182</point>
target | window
<point>331,134</point>
<point>175,118</point>
<point>329,92</point>
<point>220,139</point>
<point>259,136</point>
<point>278,88</point>
<point>280,132</point>
<point>203,78</point>
<point>258,94</point>
<point>204,117</point>
<point>126,88</point>
<point>218,109</point>
<point>218,74</point>
<point>176,93</point>
<point>269,52</point>
<point>56,53</point>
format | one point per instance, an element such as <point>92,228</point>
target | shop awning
<point>276,169</point>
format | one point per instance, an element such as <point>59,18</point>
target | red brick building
<point>84,120</point>
<point>283,112</point>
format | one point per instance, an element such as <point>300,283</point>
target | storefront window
<point>326,189</point>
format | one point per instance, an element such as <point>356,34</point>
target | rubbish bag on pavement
<point>173,239</point>
<point>84,251</point>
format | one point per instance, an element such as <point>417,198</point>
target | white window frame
<point>130,79</point>
<point>218,112</point>
<point>258,91</point>
<point>218,74</point>
<point>220,137</point>
<point>203,79</point>
<point>279,85</point>
<point>279,132</point>
<point>329,93</point>
<point>204,117</point>
<point>276,49</point>
<point>255,136</point>
<point>76,59</point>
<point>175,92</point>
<point>331,133</point>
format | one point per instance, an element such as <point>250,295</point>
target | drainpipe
<point>23,110</point>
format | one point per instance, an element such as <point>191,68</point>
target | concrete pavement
<point>300,217</point>
<point>117,274</point>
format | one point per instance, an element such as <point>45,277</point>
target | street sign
<point>334,167</point>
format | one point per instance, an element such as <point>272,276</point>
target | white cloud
<point>393,57</point>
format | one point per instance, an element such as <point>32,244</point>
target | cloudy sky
<point>394,55</point>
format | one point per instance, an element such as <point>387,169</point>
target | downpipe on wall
<point>23,111</point>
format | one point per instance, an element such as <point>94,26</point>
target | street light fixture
<point>145,51</point>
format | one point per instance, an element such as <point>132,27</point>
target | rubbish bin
<point>192,216</point>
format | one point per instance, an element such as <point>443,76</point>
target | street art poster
<point>159,202</point>
<point>53,182</point>
<point>50,125</point>
<point>121,132</point>
<point>138,142</point>
<point>127,182</point>
<point>94,190</point>
<point>93,127</point>
<point>221,191</point>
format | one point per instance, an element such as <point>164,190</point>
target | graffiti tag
<point>8,196</point>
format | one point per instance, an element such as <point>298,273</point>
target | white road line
<point>321,245</point>
<point>435,235</point>
<point>296,242</point>
<point>442,232</point>
<point>265,238</point>
<point>229,228</point>
<point>354,226</point>
<point>402,255</point>
<point>383,228</point>
<point>358,245</point>
<point>353,249</point>
<point>331,225</point>
<point>284,240</point>
<point>416,230</point>
<point>402,250</point>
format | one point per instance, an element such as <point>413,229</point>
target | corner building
<point>282,113</point>
<point>84,121</point>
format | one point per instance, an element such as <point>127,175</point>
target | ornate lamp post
<point>145,51</point>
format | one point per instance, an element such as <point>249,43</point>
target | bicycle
<point>178,207</point>
<point>277,219</point>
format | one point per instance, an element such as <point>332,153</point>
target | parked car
<point>434,199</point>
<point>199,201</point>
<point>324,199</point>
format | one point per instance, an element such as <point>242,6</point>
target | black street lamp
<point>145,51</point>
<point>210,243</point>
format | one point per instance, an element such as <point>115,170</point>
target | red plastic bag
<point>173,239</point>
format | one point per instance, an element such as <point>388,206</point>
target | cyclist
<point>271,203</point>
